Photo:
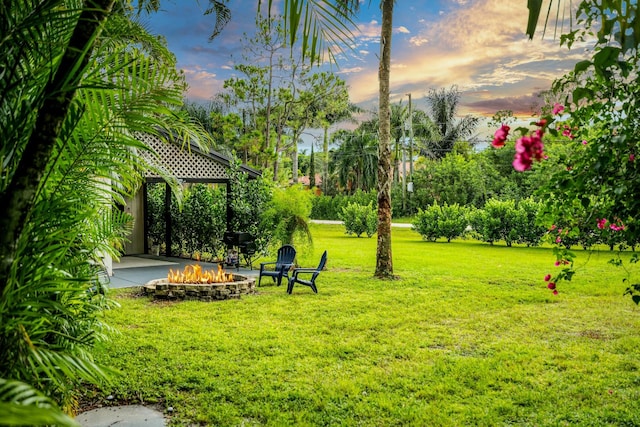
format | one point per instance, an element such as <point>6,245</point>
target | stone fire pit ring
<point>163,289</point>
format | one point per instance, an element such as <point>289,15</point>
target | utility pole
<point>410,181</point>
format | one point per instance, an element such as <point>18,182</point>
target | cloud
<point>369,30</point>
<point>202,83</point>
<point>349,70</point>
<point>418,41</point>
<point>524,105</point>
<point>402,29</point>
<point>476,44</point>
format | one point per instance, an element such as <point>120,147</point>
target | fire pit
<point>195,283</point>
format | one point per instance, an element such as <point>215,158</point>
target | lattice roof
<point>187,161</point>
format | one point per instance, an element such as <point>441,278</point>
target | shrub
<point>330,207</point>
<point>527,228</point>
<point>497,221</point>
<point>155,213</point>
<point>204,219</point>
<point>360,219</point>
<point>447,221</point>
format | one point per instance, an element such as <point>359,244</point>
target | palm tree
<point>356,159</point>
<point>443,106</point>
<point>316,21</point>
<point>384,260</point>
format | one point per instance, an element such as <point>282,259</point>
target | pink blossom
<point>500,136</point>
<point>584,142</point>
<point>632,157</point>
<point>602,223</point>
<point>528,149</point>
<point>557,263</point>
<point>616,227</point>
<point>567,133</point>
<point>558,239</point>
<point>557,108</point>
<point>555,292</point>
<point>551,285</point>
<point>547,277</point>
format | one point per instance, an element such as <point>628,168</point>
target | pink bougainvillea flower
<point>547,277</point>
<point>602,223</point>
<point>584,142</point>
<point>616,227</point>
<point>553,227</point>
<point>632,157</point>
<point>557,263</point>
<point>557,108</point>
<point>528,149</point>
<point>567,133</point>
<point>500,136</point>
<point>551,285</point>
<point>558,239</point>
<point>555,292</point>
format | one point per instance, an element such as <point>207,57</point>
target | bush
<point>527,229</point>
<point>448,221</point>
<point>155,213</point>
<point>330,207</point>
<point>497,221</point>
<point>204,219</point>
<point>360,219</point>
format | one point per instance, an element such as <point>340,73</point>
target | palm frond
<point>319,26</point>
<point>20,405</point>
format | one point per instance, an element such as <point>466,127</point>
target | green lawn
<point>469,335</point>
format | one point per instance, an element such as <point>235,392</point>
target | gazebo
<point>189,164</point>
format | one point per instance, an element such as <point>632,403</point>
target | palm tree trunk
<point>384,261</point>
<point>19,197</point>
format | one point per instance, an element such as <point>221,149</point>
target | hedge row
<point>499,220</point>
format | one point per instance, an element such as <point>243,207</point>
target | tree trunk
<point>276,159</point>
<point>325,160</point>
<point>312,169</point>
<point>384,261</point>
<point>17,201</point>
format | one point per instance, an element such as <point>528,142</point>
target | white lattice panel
<point>181,161</point>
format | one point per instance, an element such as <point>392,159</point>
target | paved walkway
<point>334,222</point>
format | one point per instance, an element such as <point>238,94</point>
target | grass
<point>469,335</point>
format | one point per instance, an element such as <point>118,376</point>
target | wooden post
<point>167,218</point>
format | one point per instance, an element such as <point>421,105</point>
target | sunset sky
<point>478,45</point>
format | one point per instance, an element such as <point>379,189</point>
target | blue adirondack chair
<point>282,265</point>
<point>314,274</point>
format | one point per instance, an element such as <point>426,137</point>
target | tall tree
<point>443,106</point>
<point>384,260</point>
<point>332,110</point>
<point>265,47</point>
<point>356,159</point>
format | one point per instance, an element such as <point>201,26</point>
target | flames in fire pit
<point>195,274</point>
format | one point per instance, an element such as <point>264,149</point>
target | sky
<point>478,45</point>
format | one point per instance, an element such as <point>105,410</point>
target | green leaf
<point>581,93</point>
<point>582,66</point>
<point>607,57</point>
<point>534,7</point>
